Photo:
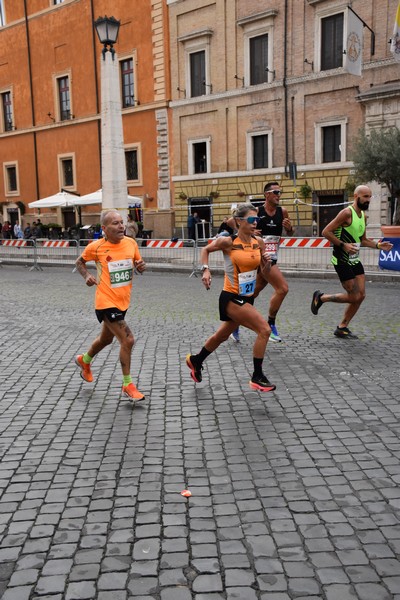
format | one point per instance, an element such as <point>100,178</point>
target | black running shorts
<point>347,271</point>
<point>110,314</point>
<point>226,297</point>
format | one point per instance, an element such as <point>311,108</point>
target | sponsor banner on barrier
<point>56,244</point>
<point>164,244</point>
<point>293,242</point>
<point>390,260</point>
<point>18,243</point>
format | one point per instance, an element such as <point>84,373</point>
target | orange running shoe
<point>132,393</point>
<point>86,372</point>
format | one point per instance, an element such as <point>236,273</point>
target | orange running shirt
<point>115,264</point>
<point>241,266</point>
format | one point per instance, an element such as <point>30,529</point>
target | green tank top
<point>350,234</point>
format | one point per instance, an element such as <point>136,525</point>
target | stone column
<point>113,177</point>
<point>164,192</point>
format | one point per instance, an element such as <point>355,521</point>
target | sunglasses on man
<point>276,192</point>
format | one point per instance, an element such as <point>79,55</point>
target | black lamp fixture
<point>309,62</point>
<point>107,29</point>
<point>272,71</point>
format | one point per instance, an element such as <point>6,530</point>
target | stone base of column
<point>162,223</point>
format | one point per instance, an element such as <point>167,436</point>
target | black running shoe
<point>344,332</point>
<point>261,384</point>
<point>316,302</point>
<point>195,373</point>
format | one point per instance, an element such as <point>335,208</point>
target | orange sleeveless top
<point>241,266</point>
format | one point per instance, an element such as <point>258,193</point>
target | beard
<point>362,205</point>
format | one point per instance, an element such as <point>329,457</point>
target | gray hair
<point>104,218</point>
<point>243,209</point>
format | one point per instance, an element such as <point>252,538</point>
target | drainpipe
<point>32,101</point>
<point>285,90</point>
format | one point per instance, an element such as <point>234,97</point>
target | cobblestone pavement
<point>295,494</point>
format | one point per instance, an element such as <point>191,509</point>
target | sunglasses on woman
<point>250,220</point>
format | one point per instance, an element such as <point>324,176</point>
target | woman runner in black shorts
<point>244,257</point>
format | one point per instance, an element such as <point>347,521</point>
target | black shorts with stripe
<point>226,297</point>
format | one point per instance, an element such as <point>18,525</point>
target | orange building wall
<point>79,140</point>
<point>63,41</point>
<point>19,149</point>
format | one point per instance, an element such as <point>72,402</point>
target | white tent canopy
<point>60,199</point>
<point>63,199</point>
<point>97,198</point>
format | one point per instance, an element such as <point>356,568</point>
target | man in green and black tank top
<point>347,233</point>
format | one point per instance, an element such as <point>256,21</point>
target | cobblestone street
<point>295,493</point>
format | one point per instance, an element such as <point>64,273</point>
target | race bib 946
<point>121,272</point>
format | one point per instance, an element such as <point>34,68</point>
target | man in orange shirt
<point>116,256</point>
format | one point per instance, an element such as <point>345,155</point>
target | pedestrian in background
<point>193,219</point>
<point>36,230</point>
<point>131,228</point>
<point>28,231</point>
<point>18,235</point>
<point>224,227</point>
<point>7,230</point>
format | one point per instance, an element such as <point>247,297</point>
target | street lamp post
<point>113,170</point>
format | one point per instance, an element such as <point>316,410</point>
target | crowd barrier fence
<point>17,251</point>
<point>295,254</point>
<point>300,254</point>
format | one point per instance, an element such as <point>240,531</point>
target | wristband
<point>378,245</point>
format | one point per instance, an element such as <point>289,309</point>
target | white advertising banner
<point>353,44</point>
<point>395,42</point>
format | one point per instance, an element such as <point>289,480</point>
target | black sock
<point>201,356</point>
<point>271,320</point>
<point>257,362</point>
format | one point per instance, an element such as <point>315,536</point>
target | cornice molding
<point>207,31</point>
<point>266,14</point>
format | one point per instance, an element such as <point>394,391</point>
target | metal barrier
<point>301,254</point>
<point>55,252</point>
<point>297,254</point>
<point>17,251</point>
<point>162,253</point>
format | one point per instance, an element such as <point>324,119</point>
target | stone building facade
<point>218,97</point>
<point>260,84</point>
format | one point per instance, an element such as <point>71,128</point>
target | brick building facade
<point>257,85</point>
